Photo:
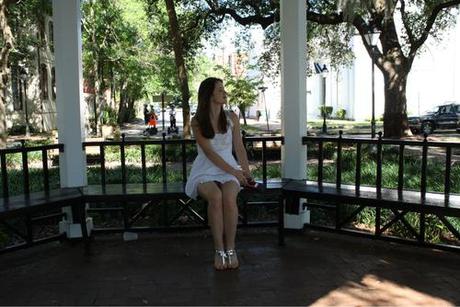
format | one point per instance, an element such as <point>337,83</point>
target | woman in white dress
<point>216,176</point>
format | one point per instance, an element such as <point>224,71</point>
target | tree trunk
<point>395,117</point>
<point>395,68</point>
<point>112,88</point>
<point>180,64</point>
<point>130,111</point>
<point>8,42</point>
<point>243,114</point>
<point>122,108</point>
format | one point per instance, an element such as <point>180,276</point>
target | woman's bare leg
<point>230,192</point>
<point>213,195</point>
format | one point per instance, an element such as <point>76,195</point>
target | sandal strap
<point>221,253</point>
<point>231,252</point>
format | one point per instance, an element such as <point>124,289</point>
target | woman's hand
<point>247,174</point>
<point>240,175</point>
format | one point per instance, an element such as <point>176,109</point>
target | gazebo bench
<point>23,206</point>
<point>400,202</point>
<point>28,204</point>
<point>156,192</point>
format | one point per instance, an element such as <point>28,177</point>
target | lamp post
<point>323,73</point>
<point>371,39</point>
<point>23,77</point>
<point>262,89</point>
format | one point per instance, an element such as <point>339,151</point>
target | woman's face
<point>219,95</point>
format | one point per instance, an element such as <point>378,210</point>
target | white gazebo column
<point>293,96</point>
<point>69,92</point>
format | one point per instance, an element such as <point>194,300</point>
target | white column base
<point>130,236</point>
<point>73,230</point>
<point>297,221</point>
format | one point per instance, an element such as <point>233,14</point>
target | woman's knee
<point>215,198</point>
<point>229,199</point>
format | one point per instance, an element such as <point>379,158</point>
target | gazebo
<point>315,268</point>
<point>67,16</point>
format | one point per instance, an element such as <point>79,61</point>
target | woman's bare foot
<point>232,259</point>
<point>220,260</point>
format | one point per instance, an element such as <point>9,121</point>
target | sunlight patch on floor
<point>372,290</point>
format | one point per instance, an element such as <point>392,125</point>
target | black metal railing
<point>420,194</point>
<point>123,144</point>
<point>7,167</point>
<point>258,150</point>
<point>168,153</point>
<point>19,177</point>
<point>162,144</point>
<point>377,145</point>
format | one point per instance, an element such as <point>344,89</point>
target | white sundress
<point>203,170</point>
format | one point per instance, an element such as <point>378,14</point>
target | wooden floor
<point>314,268</point>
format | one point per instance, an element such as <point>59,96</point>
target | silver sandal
<point>232,259</point>
<point>222,258</point>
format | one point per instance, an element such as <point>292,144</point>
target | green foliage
<point>341,113</point>
<point>116,54</point>
<point>196,30</point>
<point>242,91</point>
<point>326,110</point>
<point>20,129</point>
<point>109,116</point>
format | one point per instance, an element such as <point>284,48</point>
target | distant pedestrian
<point>258,115</point>
<point>172,118</point>
<point>146,114</point>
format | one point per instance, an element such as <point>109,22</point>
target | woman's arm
<point>205,145</point>
<point>240,151</point>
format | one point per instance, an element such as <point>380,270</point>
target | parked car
<point>446,116</point>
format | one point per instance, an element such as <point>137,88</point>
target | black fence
<point>183,156</point>
<point>261,149</point>
<point>423,202</point>
<point>377,145</point>
<point>9,162</point>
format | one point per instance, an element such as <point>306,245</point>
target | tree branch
<point>363,28</point>
<point>264,21</point>
<point>404,16</point>
<point>429,25</point>
<point>329,19</point>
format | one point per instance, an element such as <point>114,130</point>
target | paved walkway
<point>315,268</point>
<point>137,127</point>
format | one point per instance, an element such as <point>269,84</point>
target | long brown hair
<point>204,109</point>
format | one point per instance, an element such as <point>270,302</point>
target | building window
<point>17,89</point>
<point>229,62</point>
<point>51,35</point>
<point>44,82</point>
<point>53,83</point>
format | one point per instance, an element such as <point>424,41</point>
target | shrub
<point>21,129</point>
<point>326,110</point>
<point>109,116</point>
<point>341,113</point>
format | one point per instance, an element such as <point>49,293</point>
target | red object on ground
<point>153,120</point>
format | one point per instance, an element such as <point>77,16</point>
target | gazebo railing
<point>378,144</point>
<point>162,144</point>
<point>24,164</point>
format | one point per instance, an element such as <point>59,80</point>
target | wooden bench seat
<point>24,206</point>
<point>38,201</point>
<point>368,196</point>
<point>398,202</point>
<point>154,192</point>
<point>133,191</point>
